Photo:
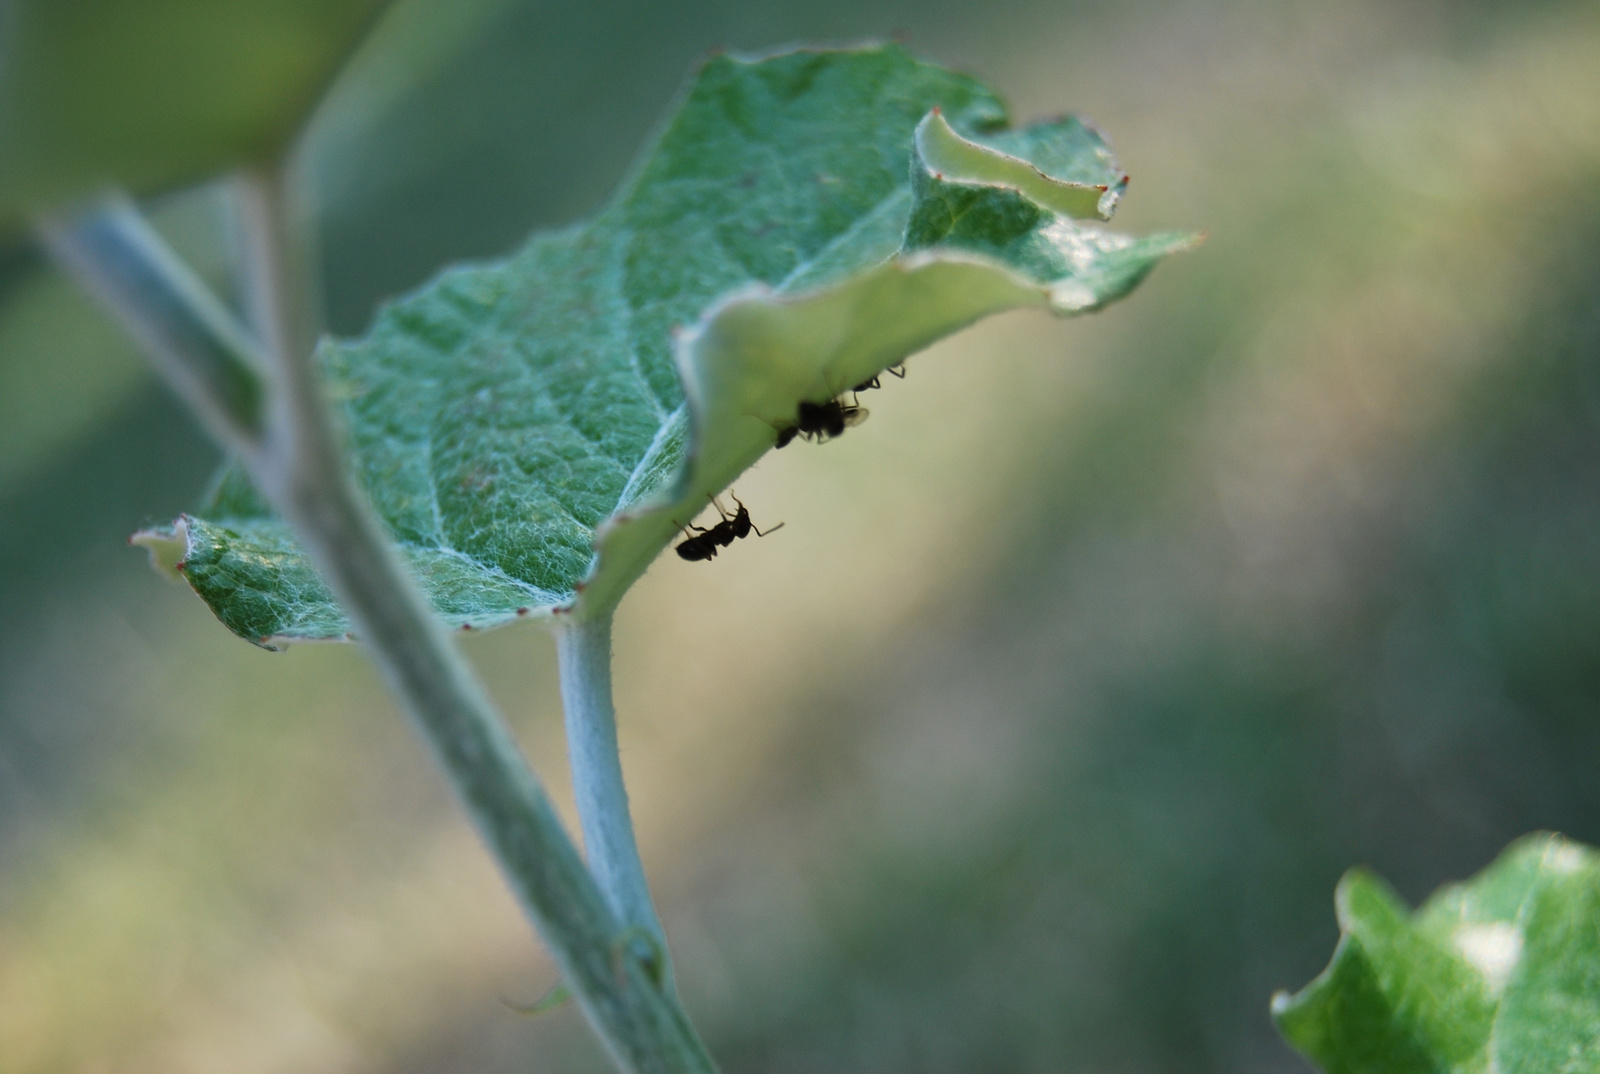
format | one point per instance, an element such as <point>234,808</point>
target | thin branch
<point>195,342</point>
<point>583,649</point>
<point>295,461</point>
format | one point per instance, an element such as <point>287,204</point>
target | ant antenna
<point>774,529</point>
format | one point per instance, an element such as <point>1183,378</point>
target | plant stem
<point>583,649</point>
<point>194,341</point>
<point>293,456</point>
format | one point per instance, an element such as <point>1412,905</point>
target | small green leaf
<point>149,93</point>
<point>556,997</point>
<point>533,432</point>
<point>1500,975</point>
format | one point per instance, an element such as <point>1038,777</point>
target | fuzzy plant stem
<point>583,650</point>
<point>193,340</point>
<point>282,431</point>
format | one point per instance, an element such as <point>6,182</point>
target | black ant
<point>704,545</point>
<point>822,421</point>
<point>898,369</point>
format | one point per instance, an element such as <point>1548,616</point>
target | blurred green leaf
<point>1501,974</point>
<point>65,367</point>
<point>150,93</point>
<point>784,240</point>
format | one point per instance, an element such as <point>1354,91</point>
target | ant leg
<point>898,369</point>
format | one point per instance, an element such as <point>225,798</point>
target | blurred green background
<point>1038,738</point>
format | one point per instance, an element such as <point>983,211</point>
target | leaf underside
<point>1500,975</point>
<point>532,431</point>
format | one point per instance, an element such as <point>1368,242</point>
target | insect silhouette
<point>898,370</point>
<point>822,421</point>
<point>705,543</point>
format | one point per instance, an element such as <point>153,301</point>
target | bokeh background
<point>1039,737</point>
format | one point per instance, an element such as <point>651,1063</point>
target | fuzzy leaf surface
<point>532,431</point>
<point>1500,974</point>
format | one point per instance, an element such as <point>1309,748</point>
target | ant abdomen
<point>704,545</point>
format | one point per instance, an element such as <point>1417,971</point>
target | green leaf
<point>533,432</point>
<point>1500,975</point>
<point>150,93</point>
